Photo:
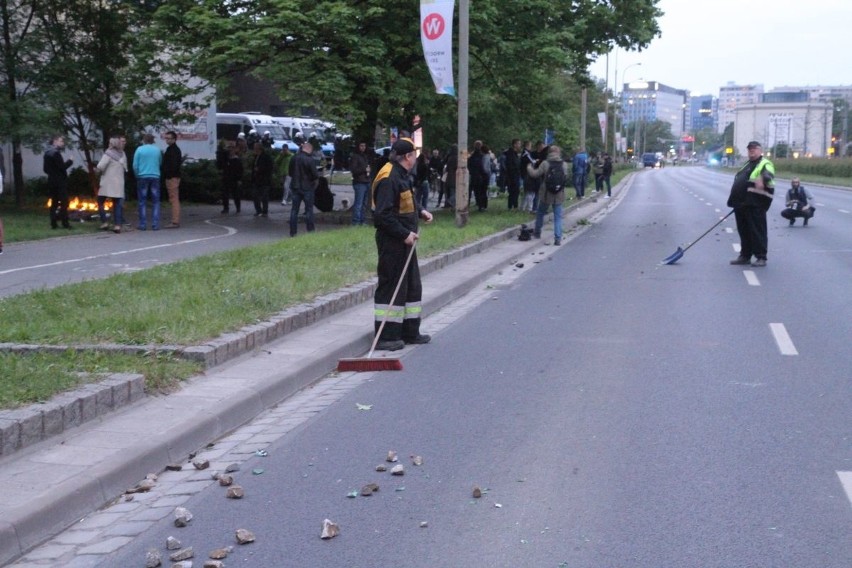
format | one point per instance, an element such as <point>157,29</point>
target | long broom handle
<point>393,297</point>
<point>708,230</point>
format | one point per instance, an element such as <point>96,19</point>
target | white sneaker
<point>606,196</point>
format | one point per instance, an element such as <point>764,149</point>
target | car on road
<point>650,160</point>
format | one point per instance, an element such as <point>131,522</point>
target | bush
<point>200,182</point>
<point>830,168</point>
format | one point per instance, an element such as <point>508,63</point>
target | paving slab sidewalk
<point>52,484</point>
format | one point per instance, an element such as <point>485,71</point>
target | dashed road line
<point>229,231</point>
<point>846,482</point>
<point>782,339</point>
<point>843,210</point>
<point>751,278</point>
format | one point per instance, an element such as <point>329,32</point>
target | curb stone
<point>25,426</point>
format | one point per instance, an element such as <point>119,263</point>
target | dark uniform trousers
<point>403,317</point>
<point>751,225</point>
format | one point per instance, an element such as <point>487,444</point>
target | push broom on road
<point>676,255</point>
<point>368,364</point>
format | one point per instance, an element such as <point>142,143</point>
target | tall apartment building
<point>732,96</point>
<point>647,101</point>
<point>702,113</point>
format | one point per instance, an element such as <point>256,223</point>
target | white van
<point>229,125</point>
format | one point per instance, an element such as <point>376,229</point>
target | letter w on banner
<point>436,35</point>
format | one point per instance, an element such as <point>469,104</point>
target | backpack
<point>554,180</point>
<point>323,198</point>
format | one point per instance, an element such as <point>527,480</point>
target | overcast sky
<point>704,44</point>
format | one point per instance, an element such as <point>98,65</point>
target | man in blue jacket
<point>147,161</point>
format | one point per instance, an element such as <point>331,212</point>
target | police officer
<point>751,195</point>
<point>396,213</point>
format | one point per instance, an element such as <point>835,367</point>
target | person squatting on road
<point>551,191</point>
<point>57,180</point>
<point>751,195</point>
<point>113,168</point>
<point>799,203</point>
<point>395,215</point>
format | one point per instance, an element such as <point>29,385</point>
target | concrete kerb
<point>66,503</point>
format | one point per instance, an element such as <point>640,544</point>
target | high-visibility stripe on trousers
<point>403,317</point>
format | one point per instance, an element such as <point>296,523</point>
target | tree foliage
<point>360,63</point>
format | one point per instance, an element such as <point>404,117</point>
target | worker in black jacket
<point>57,180</point>
<point>395,217</point>
<point>261,179</point>
<point>303,187</point>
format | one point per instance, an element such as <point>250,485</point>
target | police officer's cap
<point>754,144</point>
<point>403,146</point>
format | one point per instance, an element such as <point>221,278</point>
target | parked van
<point>229,125</point>
<point>302,127</point>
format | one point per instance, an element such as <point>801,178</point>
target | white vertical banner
<point>602,121</point>
<point>436,35</point>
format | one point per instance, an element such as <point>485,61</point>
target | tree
<point>123,78</point>
<point>360,63</point>
<point>23,119</point>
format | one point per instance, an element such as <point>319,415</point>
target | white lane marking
<point>708,204</point>
<point>717,210</point>
<point>782,338</point>
<point>230,231</point>
<point>846,482</point>
<point>729,230</point>
<point>736,246</point>
<point>751,278</point>
<point>843,210</point>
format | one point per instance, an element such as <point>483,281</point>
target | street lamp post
<point>618,106</point>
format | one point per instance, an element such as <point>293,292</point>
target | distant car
<point>650,160</point>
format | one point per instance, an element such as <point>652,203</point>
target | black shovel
<point>675,256</point>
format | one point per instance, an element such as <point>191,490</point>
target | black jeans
<point>751,226</point>
<point>261,199</point>
<point>59,205</point>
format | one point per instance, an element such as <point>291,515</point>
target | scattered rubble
<point>153,559</point>
<point>391,457</point>
<point>172,543</point>
<point>417,460</point>
<point>201,463</point>
<point>174,467</point>
<point>235,492</point>
<point>182,554</point>
<point>232,468</point>
<point>369,489</point>
<point>398,469</point>
<point>221,553</point>
<point>225,480</point>
<point>329,530</point>
<point>182,517</point>
<point>477,492</point>
<point>244,536</point>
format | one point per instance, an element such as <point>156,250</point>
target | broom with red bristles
<point>368,364</point>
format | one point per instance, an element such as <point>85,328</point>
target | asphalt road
<point>615,412</point>
<point>72,258</point>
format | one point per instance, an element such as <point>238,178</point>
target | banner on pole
<point>602,121</point>
<point>436,36</point>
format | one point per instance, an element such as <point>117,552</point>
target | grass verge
<point>190,301</point>
<point>35,377</point>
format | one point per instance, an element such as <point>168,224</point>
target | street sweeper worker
<point>395,216</point>
<point>750,198</point>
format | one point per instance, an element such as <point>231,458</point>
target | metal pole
<point>583,96</point>
<point>462,202</point>
<point>606,106</point>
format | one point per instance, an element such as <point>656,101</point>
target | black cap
<point>754,144</point>
<point>403,146</point>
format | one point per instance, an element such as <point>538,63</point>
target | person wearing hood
<point>554,173</point>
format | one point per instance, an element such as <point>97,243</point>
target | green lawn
<point>190,301</point>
